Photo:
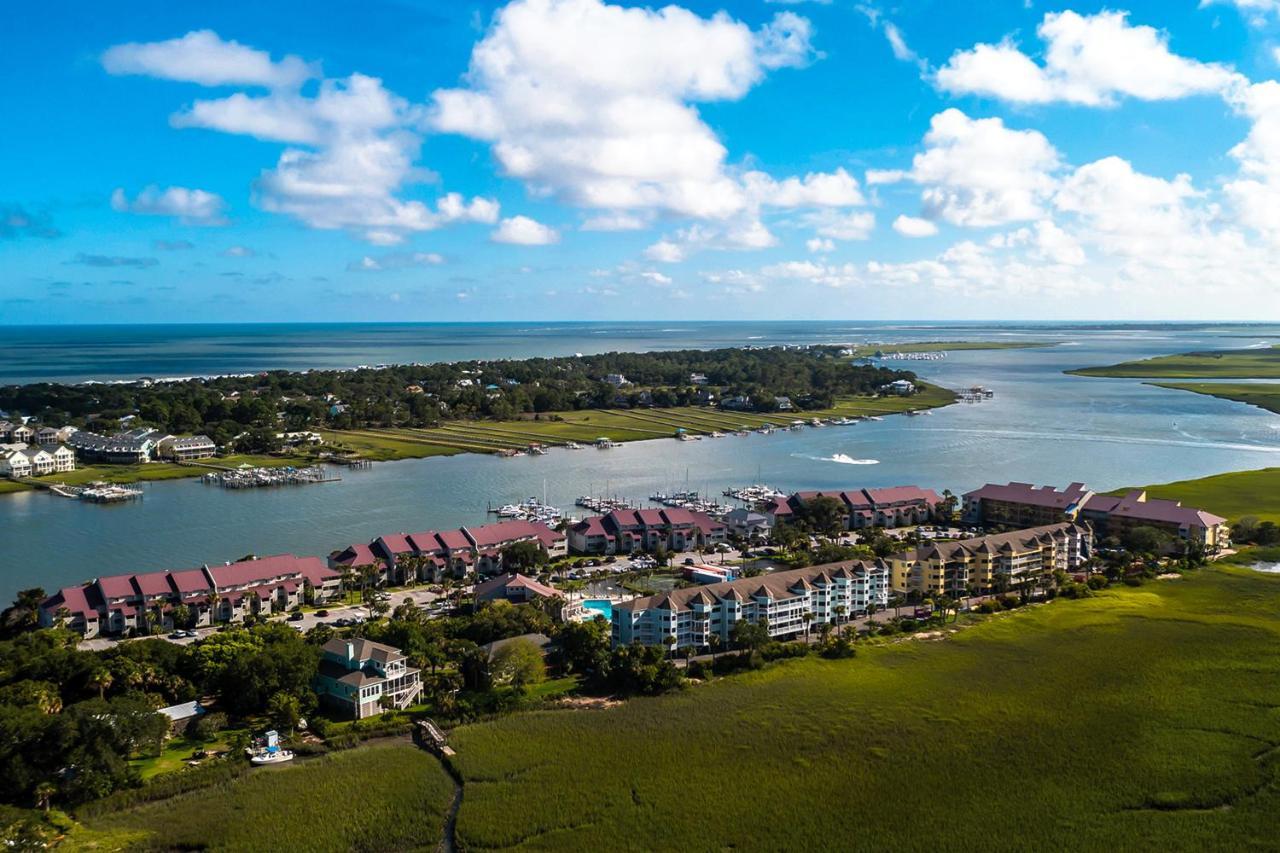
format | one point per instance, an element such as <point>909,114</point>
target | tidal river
<point>1042,427</point>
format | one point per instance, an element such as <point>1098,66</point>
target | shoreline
<point>492,437</point>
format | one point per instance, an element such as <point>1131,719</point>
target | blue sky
<point>572,159</point>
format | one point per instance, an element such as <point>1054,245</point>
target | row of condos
<point>1000,562</point>
<point>1023,505</point>
<point>896,506</point>
<point>431,556</point>
<point>628,531</point>
<point>209,595</point>
<point>789,602</point>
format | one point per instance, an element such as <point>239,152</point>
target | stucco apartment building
<point>896,506</point>
<point>222,593</point>
<point>434,555</point>
<point>831,593</point>
<point>632,530</point>
<point>355,674</point>
<point>1002,561</point>
<point>1020,504</point>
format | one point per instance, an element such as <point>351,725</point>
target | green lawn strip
<point>1264,396</point>
<point>1213,364</point>
<point>178,751</point>
<point>425,437</point>
<point>1136,719</point>
<point>372,798</point>
<point>508,432</point>
<point>865,350</point>
<point>1231,495</point>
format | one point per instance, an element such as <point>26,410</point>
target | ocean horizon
<point>123,352</point>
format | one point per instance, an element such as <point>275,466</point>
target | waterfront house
<point>790,602</point>
<point>21,433</point>
<point>355,674</point>
<point>901,387</point>
<point>14,463</point>
<point>117,604</point>
<point>999,562</point>
<point>617,380</point>
<point>41,460</point>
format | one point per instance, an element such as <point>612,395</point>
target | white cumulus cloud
<point>523,231</point>
<point>191,206</point>
<point>1088,59</point>
<point>914,226</point>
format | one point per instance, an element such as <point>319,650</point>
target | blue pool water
<point>601,606</point>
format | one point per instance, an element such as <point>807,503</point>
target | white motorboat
<point>266,750</point>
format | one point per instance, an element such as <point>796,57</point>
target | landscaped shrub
<point>1097,582</point>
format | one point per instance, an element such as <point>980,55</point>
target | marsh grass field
<point>373,798</point>
<point>1211,364</point>
<point>1263,395</point>
<point>587,425</point>
<point>1142,718</point>
<point>1232,495</point>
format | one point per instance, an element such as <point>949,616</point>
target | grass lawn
<point>373,798</point>
<point>587,425</point>
<point>1232,495</point>
<point>1141,718</point>
<point>865,350</point>
<point>177,751</point>
<point>1212,364</point>
<point>1264,396</point>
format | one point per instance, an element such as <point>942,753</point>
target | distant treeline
<point>424,395</point>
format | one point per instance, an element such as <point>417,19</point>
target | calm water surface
<point>1042,426</point>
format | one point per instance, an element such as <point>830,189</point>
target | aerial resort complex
<point>623,425</point>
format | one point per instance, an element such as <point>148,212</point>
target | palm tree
<point>44,794</point>
<point>101,679</point>
<point>841,610</point>
<point>714,642</point>
<point>670,642</point>
<point>808,621</point>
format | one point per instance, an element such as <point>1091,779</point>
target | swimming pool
<point>601,606</point>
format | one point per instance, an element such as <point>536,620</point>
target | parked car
<point>178,635</point>
<point>296,616</point>
<point>688,561</point>
<point>322,613</point>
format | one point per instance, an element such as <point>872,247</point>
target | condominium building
<point>185,448</point>
<point>631,530</point>
<point>1002,561</point>
<point>1113,516</point>
<point>897,506</point>
<point>1023,505</point>
<point>789,602</point>
<point>434,555</point>
<point>355,674</point>
<point>221,593</point>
